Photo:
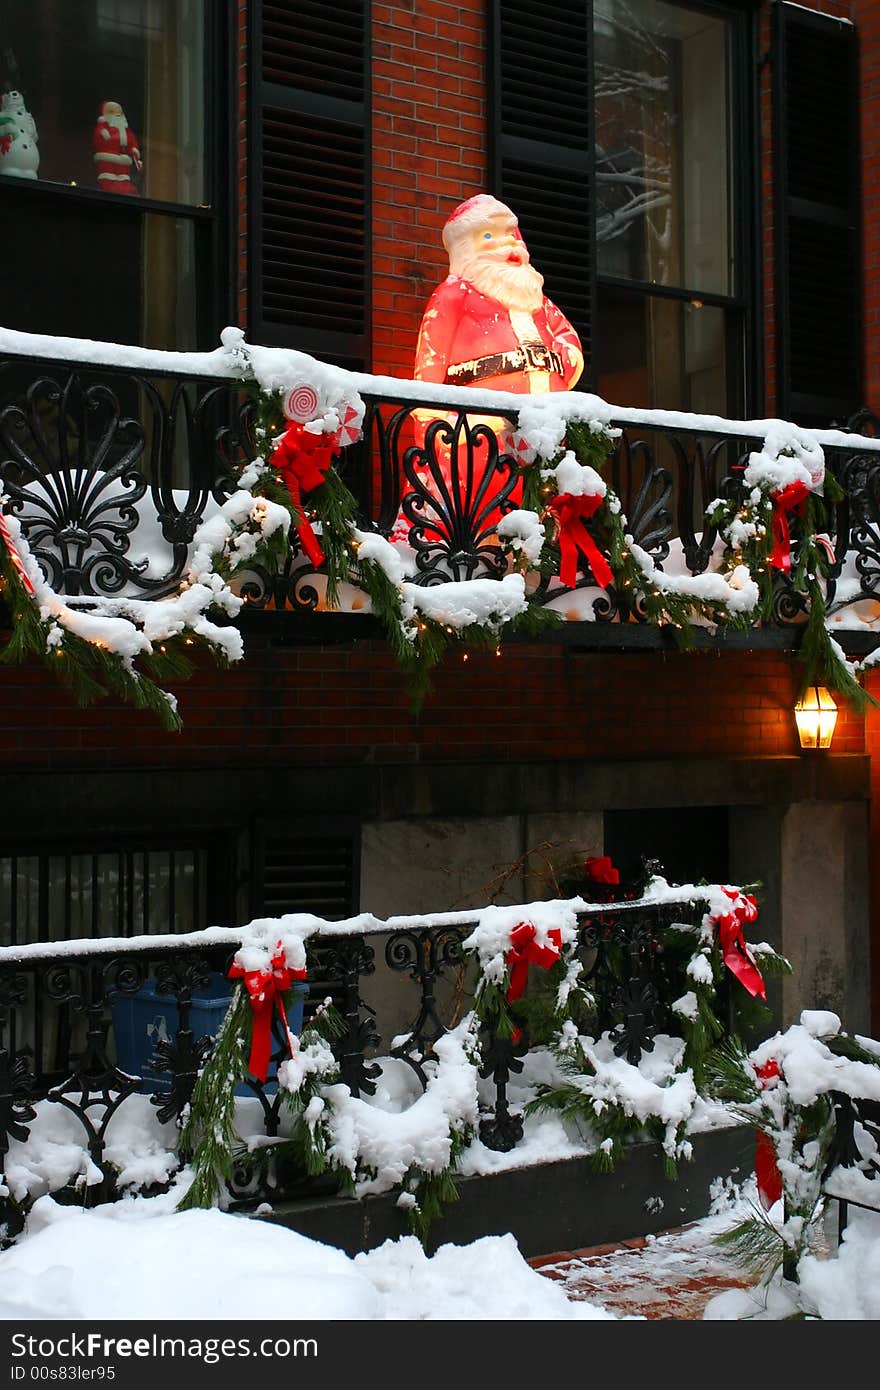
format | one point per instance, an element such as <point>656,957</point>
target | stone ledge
<point>563,1205</point>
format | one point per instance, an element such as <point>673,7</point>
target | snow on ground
<point>113,1262</point>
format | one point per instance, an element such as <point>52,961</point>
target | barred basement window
<point>62,895</point>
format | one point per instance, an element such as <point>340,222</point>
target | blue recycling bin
<point>145,1018</point>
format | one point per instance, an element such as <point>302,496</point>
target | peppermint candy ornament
<point>351,419</point>
<point>301,403</point>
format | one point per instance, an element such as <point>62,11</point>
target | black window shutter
<point>817,212</point>
<point>309,866</point>
<point>301,867</point>
<point>308,183</point>
<point>541,145</point>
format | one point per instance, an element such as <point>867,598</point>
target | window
<point>62,894</point>
<point>108,131</point>
<point>628,184</point>
<point>664,152</point>
<point>690,843</point>
<point>306,867</point>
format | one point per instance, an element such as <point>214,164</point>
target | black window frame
<point>743,308</point>
<point>214,245</point>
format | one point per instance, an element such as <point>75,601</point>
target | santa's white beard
<point>117,123</point>
<point>519,287</point>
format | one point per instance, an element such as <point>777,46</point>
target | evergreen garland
<point>801,1135</point>
<point>87,670</point>
<point>642,591</point>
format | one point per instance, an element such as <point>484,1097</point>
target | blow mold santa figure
<point>116,149</point>
<point>490,324</point>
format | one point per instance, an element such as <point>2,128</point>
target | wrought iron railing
<point>60,1038</point>
<point>110,469</point>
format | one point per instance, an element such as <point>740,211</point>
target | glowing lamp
<point>816,716</point>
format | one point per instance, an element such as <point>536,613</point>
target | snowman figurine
<point>19,154</point>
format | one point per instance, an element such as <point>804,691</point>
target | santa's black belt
<point>522,359</point>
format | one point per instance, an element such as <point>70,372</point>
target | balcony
<point>85,1076</point>
<point>111,459</point>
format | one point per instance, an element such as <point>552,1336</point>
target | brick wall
<point>429,153</point>
<point>347,705</point>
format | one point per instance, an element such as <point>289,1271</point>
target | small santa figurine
<point>490,324</point>
<point>116,149</point>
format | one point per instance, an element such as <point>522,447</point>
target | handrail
<point>221,365</point>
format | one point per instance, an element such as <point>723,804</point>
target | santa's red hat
<point>472,214</point>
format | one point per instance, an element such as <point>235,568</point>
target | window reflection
<point>124,892</point>
<point>654,352</point>
<point>663,144</point>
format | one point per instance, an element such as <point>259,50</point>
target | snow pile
<point>380,1147</point>
<point>790,455</point>
<point>131,627</point>
<point>490,603</point>
<point>736,591</point>
<point>524,533</point>
<point>654,1090</point>
<point>393,560</point>
<point>115,1262</point>
<point>577,479</point>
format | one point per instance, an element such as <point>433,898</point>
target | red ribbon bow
<point>571,511</point>
<point>303,459</point>
<point>734,951</point>
<point>767,1174</point>
<point>788,499</point>
<point>524,951</point>
<point>601,870</point>
<point>265,988</point>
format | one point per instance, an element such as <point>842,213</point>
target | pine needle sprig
<point>755,1244</point>
<point>729,1074</point>
<point>434,1191</point>
<point>208,1136</point>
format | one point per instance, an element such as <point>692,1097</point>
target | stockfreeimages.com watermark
<point>29,1353</point>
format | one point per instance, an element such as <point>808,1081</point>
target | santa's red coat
<point>460,325</point>
<point>115,153</point>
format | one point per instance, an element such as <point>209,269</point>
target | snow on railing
<point>223,363</point>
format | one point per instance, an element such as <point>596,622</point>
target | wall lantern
<point>816,716</point>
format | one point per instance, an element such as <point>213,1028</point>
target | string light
<point>464,656</point>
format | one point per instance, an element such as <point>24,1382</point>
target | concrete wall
<point>798,830</point>
<point>435,864</point>
<point>824,910</point>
